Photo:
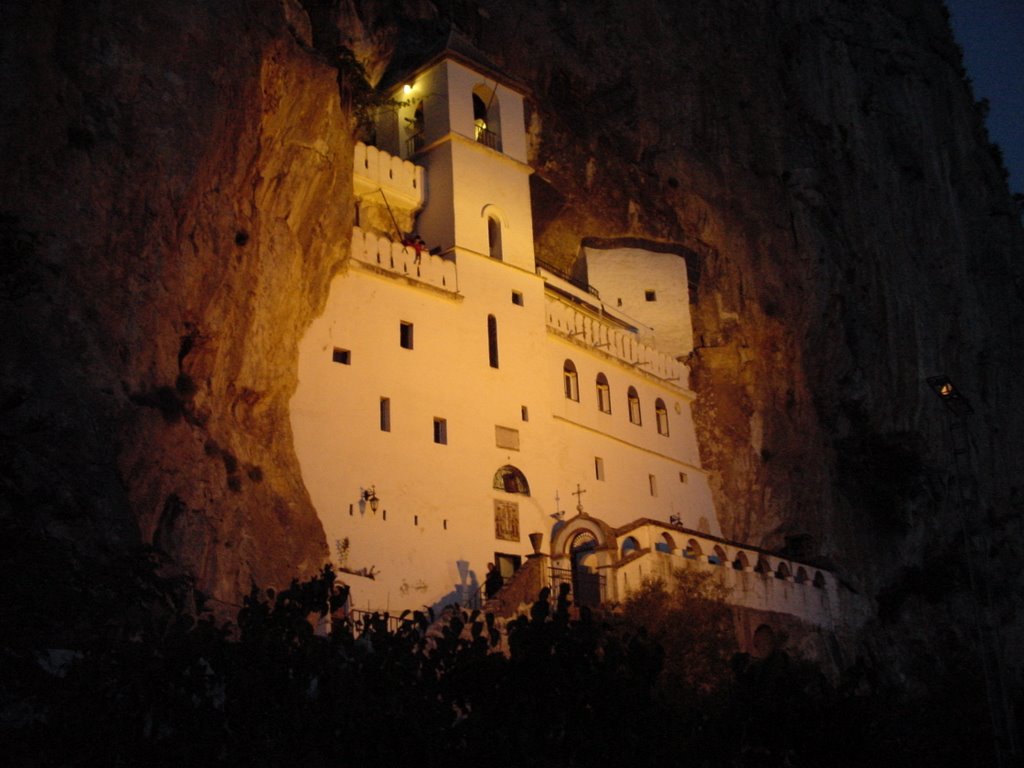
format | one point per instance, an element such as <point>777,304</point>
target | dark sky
<point>991,32</point>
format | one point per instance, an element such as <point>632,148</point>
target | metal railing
<point>414,144</point>
<point>585,589</point>
<point>487,137</point>
<point>581,284</point>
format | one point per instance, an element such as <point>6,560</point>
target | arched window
<point>661,415</point>
<point>763,565</point>
<point>492,341</point>
<point>570,381</point>
<point>634,405</point>
<point>801,575</point>
<point>510,480</point>
<point>693,550</point>
<point>718,558</point>
<point>604,399</point>
<point>819,580</point>
<point>782,572</point>
<point>486,117</point>
<point>494,237</point>
<point>630,545</point>
<point>741,563</point>
<point>665,544</point>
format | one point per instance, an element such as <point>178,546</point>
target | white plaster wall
<point>486,181</point>
<point>626,273</point>
<point>462,81</point>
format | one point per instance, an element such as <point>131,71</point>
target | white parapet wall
<point>401,180</point>
<point>566,320</point>
<point>387,255</point>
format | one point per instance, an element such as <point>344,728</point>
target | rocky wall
<point>176,198</point>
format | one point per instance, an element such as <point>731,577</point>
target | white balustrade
<point>398,259</point>
<point>586,329</point>
<point>401,181</point>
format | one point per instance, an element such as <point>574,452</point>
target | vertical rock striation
<point>176,200</point>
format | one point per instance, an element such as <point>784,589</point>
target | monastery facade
<point>460,403</point>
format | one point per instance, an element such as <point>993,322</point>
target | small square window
<point>405,335</point>
<point>441,431</point>
<point>598,468</point>
<point>650,296</point>
<point>517,298</point>
<point>682,477</point>
<point>342,356</point>
<point>525,412</point>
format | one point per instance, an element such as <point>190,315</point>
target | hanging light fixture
<point>371,496</point>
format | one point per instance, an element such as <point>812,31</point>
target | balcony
<point>583,328</point>
<point>394,258</point>
<point>402,181</point>
<point>487,137</point>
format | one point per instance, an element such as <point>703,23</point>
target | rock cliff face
<point>177,197</point>
<point>175,202</point>
<point>852,234</point>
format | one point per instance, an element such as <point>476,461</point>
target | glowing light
<point>407,89</point>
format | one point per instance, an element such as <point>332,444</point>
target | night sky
<point>991,32</point>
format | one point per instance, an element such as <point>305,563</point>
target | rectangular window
<point>492,341</point>
<point>517,298</point>
<point>599,468</point>
<point>342,356</point>
<point>604,398</point>
<point>650,296</point>
<point>385,414</point>
<point>652,482</point>
<point>525,412</point>
<point>441,431</point>
<point>405,335</point>
<point>682,477</point>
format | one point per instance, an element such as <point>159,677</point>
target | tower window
<point>570,381</point>
<point>598,468</point>
<point>524,412</point>
<point>604,398</point>
<point>492,341</point>
<point>405,335</point>
<point>652,483</point>
<point>441,431</point>
<point>661,415</point>
<point>342,356</point>
<point>517,298</point>
<point>385,414</point>
<point>634,406</point>
<point>486,117</point>
<point>494,237</point>
<point>650,296</point>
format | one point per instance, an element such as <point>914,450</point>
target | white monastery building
<point>469,405</point>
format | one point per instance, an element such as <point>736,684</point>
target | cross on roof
<point>578,493</point>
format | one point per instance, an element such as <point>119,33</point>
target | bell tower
<point>463,121</point>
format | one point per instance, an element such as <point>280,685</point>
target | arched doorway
<point>586,582</point>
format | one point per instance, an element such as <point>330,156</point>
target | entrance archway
<point>586,582</point>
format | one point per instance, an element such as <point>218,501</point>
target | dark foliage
<point>571,689</point>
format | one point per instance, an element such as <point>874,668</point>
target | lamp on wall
<point>950,395</point>
<point>371,496</point>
